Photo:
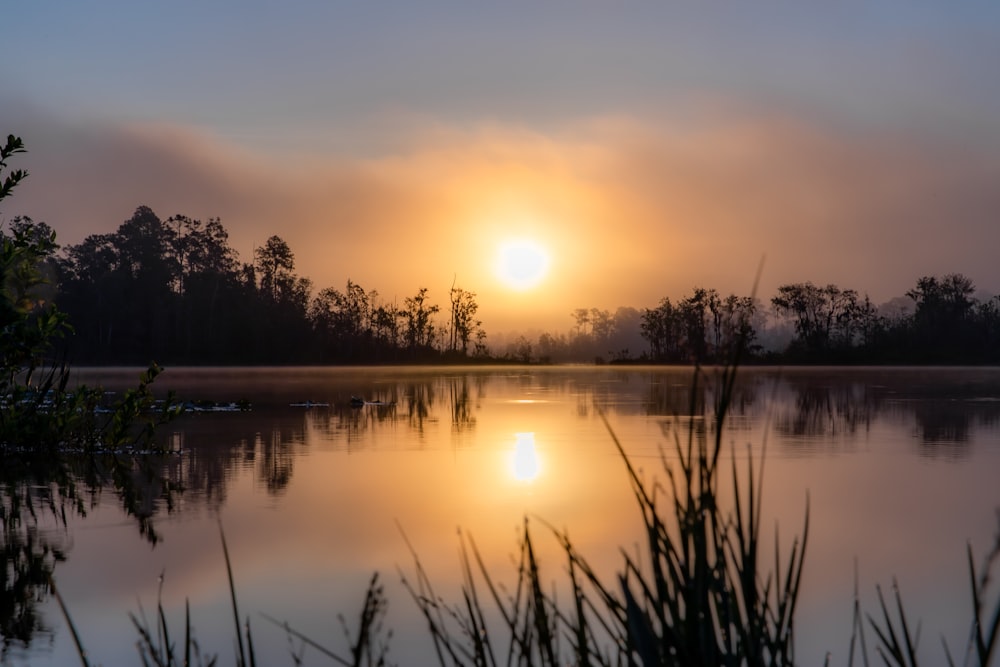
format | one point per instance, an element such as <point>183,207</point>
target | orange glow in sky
<point>645,150</point>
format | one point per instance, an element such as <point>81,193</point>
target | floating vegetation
<point>215,406</point>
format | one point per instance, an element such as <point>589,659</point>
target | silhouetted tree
<point>987,330</point>
<point>732,325</point>
<point>385,325</point>
<point>602,326</point>
<point>662,329</point>
<point>941,319</point>
<point>343,320</point>
<point>275,265</point>
<point>91,290</point>
<point>207,282</point>
<point>56,450</point>
<point>626,333</point>
<point>119,289</point>
<point>823,316</point>
<point>520,350</point>
<point>871,326</point>
<point>417,314</point>
<point>463,326</point>
<point>694,311</point>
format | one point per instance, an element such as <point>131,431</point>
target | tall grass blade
<point>581,633</point>
<point>166,650</point>
<point>985,644</point>
<point>546,639</point>
<point>857,625</point>
<point>977,607</point>
<point>301,637</point>
<point>187,633</point>
<point>80,651</point>
<point>477,630</point>
<point>910,644</point>
<point>232,593</point>
<point>902,652</point>
<point>250,651</point>
<point>427,602</point>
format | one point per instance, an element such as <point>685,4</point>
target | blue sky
<point>879,119</point>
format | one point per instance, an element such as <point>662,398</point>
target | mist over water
<point>899,465</point>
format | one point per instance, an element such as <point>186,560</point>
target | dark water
<point>901,468</point>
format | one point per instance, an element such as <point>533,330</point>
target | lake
<point>314,494</point>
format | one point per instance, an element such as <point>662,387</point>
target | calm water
<point>901,467</point>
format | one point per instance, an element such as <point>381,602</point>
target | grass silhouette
<point>697,593</point>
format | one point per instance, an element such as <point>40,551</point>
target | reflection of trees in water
<point>411,402</point>
<point>823,408</point>
<point>27,561</point>
<point>945,427</point>
<point>462,415</point>
<point>830,408</point>
<point>40,491</point>
<point>825,412</point>
<point>214,446</point>
<point>348,425</point>
<point>419,399</point>
<point>276,458</point>
<point>685,403</point>
<point>201,472</point>
<point>941,409</point>
<point>673,398</point>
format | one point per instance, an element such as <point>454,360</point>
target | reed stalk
<point>698,595</point>
<point>698,592</point>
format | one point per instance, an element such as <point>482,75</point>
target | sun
<point>521,264</point>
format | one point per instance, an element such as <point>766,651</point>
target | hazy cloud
<point>632,209</point>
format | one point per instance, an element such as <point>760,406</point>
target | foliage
<point>463,326</point>
<point>420,332</point>
<point>37,410</point>
<point>823,316</point>
<point>175,289</point>
<point>59,446</point>
<point>700,328</point>
<point>9,181</point>
<point>825,325</point>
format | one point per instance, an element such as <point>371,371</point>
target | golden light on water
<point>525,463</point>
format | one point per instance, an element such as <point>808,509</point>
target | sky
<point>645,147</point>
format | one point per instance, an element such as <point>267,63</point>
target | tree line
<point>174,290</point>
<point>944,323</point>
<point>941,322</point>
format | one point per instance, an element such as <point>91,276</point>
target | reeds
<point>697,595</point>
<point>897,646</point>
<point>700,591</point>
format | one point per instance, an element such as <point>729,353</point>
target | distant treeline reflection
<point>175,291</point>
<point>811,411</point>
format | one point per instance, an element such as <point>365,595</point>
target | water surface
<point>900,467</point>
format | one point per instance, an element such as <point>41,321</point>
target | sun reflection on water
<point>525,463</point>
